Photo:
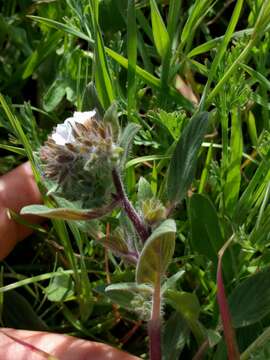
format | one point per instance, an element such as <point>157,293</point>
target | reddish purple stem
<point>135,218</point>
<point>228,330</point>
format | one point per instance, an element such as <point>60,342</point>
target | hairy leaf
<point>156,254</point>
<point>183,163</point>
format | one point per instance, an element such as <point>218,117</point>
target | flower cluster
<point>79,156</point>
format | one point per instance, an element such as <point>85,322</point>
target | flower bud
<point>153,211</point>
<point>79,156</point>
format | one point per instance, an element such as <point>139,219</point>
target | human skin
<point>63,347</point>
<point>18,189</point>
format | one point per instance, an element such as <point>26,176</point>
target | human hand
<point>18,189</point>
<point>63,347</point>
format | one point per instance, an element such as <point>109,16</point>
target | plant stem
<point>154,327</point>
<point>137,221</point>
<point>228,330</point>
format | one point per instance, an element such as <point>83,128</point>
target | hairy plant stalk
<point>154,326</point>
<point>137,221</point>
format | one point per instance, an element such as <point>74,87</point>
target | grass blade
<point>160,34</point>
<point>149,79</point>
<point>102,75</point>
<point>16,125</point>
<point>198,12</point>
<point>257,76</point>
<point>173,17</point>
<point>223,45</point>
<point>132,54</point>
<point>232,185</point>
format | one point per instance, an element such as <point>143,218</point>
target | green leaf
<point>257,76</point>
<point>172,121</point>
<point>250,300</point>
<point>231,69</point>
<point>142,159</point>
<point>60,288</point>
<point>150,79</point>
<point>44,49</point>
<point>54,95</point>
<point>259,349</point>
<point>233,180</point>
<point>102,74</point>
<point>33,280</point>
<point>183,163</point>
<point>63,213</point>
<point>206,236</point>
<point>111,117</point>
<point>126,140</point>
<point>18,313</point>
<point>223,44</point>
<point>156,253</point>
<point>175,336</point>
<point>124,293</point>
<point>170,283</point>
<point>185,303</point>
<point>254,190</point>
<point>90,99</point>
<point>16,125</point>
<point>144,190</point>
<point>83,286</point>
<point>188,306</point>
<point>214,337</point>
<point>198,11</point>
<point>174,17</point>
<point>202,48</point>
<point>64,27</point>
<point>161,36</point>
<point>15,149</point>
<point>116,242</point>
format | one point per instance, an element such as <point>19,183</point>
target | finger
<point>17,189</point>
<point>62,347</point>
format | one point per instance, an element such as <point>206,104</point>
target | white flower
<point>63,132</point>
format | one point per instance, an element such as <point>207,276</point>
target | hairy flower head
<point>79,156</point>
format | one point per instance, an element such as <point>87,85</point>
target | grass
<point>131,52</point>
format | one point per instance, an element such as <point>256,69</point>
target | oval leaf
<point>156,254</point>
<point>111,117</point>
<point>126,140</point>
<point>183,163</point>
<point>250,301</point>
<point>206,235</point>
<point>144,190</point>
<point>60,289</point>
<point>205,229</point>
<point>188,306</point>
<point>63,213</point>
<point>124,293</point>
